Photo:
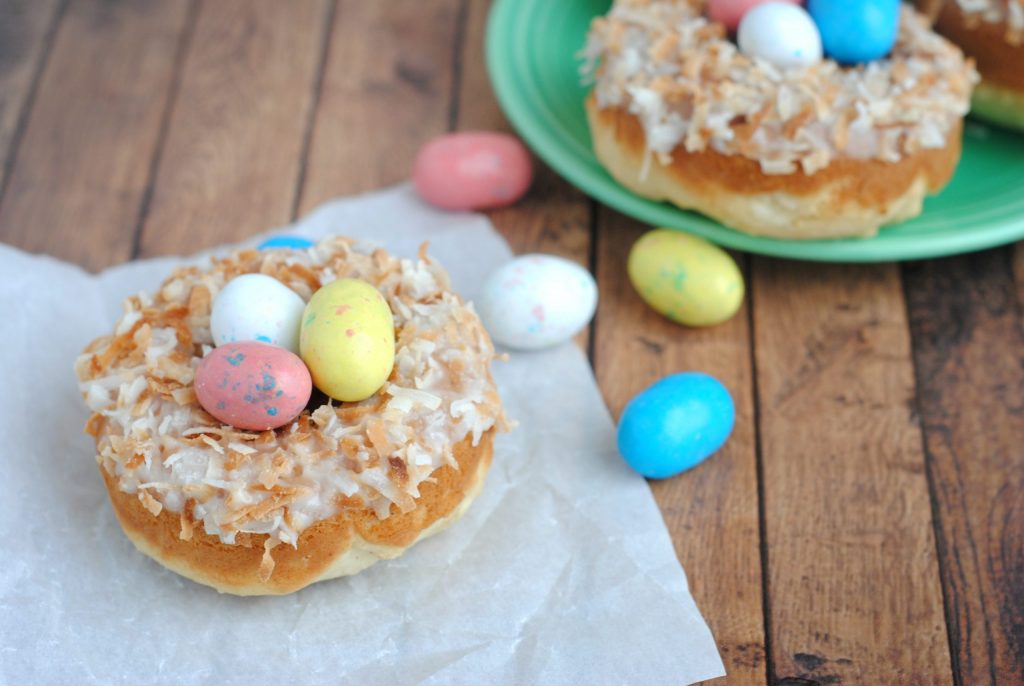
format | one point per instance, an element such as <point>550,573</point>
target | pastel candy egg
<point>685,278</point>
<point>469,171</point>
<point>730,12</point>
<point>675,424</point>
<point>257,307</point>
<point>253,386</point>
<point>855,31</point>
<point>348,339</point>
<point>780,33</point>
<point>289,242</point>
<point>536,301</point>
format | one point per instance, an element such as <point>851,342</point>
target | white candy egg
<point>536,301</point>
<point>781,33</point>
<point>257,307</point>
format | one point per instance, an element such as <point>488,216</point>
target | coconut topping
<point>156,440</point>
<point>997,12</point>
<point>690,86</point>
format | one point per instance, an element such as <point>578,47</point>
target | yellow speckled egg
<point>685,278</point>
<point>347,339</point>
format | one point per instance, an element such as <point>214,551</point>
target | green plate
<point>531,48</point>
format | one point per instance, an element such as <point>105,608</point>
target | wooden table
<point>865,522</point>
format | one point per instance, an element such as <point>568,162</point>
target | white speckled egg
<point>781,33</point>
<point>536,301</point>
<point>257,307</point>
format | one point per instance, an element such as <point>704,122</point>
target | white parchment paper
<point>562,572</point>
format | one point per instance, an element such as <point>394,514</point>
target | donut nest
<point>678,113</point>
<point>343,485</point>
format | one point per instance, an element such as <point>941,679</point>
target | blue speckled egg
<point>291,242</point>
<point>675,424</point>
<point>855,31</point>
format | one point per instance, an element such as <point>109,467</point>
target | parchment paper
<point>562,572</point>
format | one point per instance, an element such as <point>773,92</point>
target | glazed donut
<point>326,495</point>
<point>992,32</point>
<point>677,113</point>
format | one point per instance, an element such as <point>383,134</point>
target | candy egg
<point>469,171</point>
<point>855,31</point>
<point>675,424</point>
<point>780,33</point>
<point>348,339</point>
<point>252,386</point>
<point>730,12</point>
<point>257,307</point>
<point>685,278</point>
<point>536,301</point>
<point>290,242</point>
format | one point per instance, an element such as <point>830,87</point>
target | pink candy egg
<point>730,12</point>
<point>472,171</point>
<point>253,386</point>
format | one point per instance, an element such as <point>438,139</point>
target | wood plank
<point>969,349</point>
<point>233,153</point>
<point>84,160</point>
<point>854,592</point>
<point>25,38</point>
<point>386,90</point>
<point>1018,270</point>
<point>553,217</point>
<point>712,510</point>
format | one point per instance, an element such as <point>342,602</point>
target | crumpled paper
<point>562,572</point>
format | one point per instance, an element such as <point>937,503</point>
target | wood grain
<point>231,161</point>
<point>386,89</point>
<point>83,163</point>
<point>1018,270</point>
<point>969,351</point>
<point>712,510</point>
<point>25,26</point>
<point>854,591</point>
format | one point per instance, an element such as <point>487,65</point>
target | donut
<point>991,32</point>
<point>678,113</point>
<point>343,485</point>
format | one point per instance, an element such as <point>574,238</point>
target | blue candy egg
<point>854,31</point>
<point>293,242</point>
<point>675,424</point>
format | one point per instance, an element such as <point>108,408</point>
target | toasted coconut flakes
<point>241,448</point>
<point>267,563</point>
<point>213,444</point>
<point>150,503</point>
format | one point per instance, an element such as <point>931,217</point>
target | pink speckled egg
<point>253,386</point>
<point>472,171</point>
<point>730,12</point>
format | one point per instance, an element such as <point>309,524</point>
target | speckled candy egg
<point>472,171</point>
<point>348,339</point>
<point>780,33</point>
<point>286,242</point>
<point>730,12</point>
<point>854,31</point>
<point>253,386</point>
<point>685,278</point>
<point>536,301</point>
<point>675,424</point>
<point>257,307</point>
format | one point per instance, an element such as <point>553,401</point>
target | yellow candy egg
<point>347,339</point>
<point>685,278</point>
